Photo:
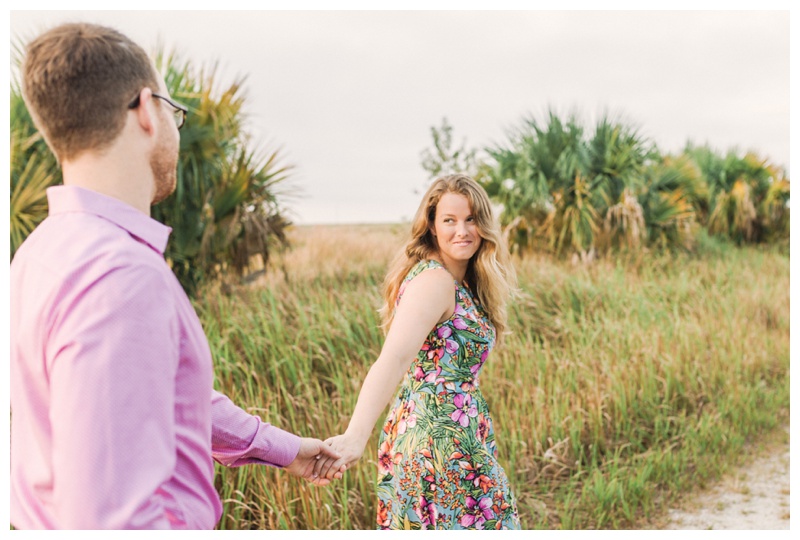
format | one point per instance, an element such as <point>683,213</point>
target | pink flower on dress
<point>475,368</point>
<point>465,409</point>
<point>385,458</point>
<point>419,373</point>
<point>450,345</point>
<point>459,323</point>
<point>483,428</point>
<point>430,376</point>
<point>407,417</point>
<point>478,511</point>
<point>427,513</point>
<point>433,355</point>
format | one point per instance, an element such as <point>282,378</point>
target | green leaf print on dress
<point>437,460</point>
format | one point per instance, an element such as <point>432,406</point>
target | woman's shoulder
<point>428,264</point>
<point>436,289</point>
<point>418,278</point>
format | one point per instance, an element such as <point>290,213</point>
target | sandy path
<point>754,496</point>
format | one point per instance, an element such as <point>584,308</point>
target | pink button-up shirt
<point>114,421</point>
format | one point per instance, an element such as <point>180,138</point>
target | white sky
<point>350,96</point>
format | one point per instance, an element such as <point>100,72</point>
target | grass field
<point>625,382</point>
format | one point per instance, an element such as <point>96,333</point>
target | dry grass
<point>335,251</point>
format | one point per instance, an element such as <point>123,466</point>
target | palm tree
<point>33,169</point>
<point>617,157</point>
<point>672,193</point>
<point>565,192</point>
<point>568,192</point>
<point>225,209</point>
<point>531,175</point>
<point>773,210</point>
<point>747,196</point>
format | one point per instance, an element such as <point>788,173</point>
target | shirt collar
<point>65,199</point>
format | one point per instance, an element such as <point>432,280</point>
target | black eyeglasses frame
<point>179,120</point>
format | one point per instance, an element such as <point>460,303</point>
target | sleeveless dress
<point>437,460</point>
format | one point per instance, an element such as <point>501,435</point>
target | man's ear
<point>144,112</point>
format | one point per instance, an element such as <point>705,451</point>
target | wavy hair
<point>490,274</point>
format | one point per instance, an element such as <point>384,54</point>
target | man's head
<point>78,80</point>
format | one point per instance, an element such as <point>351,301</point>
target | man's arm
<point>112,356</point>
<point>239,438</point>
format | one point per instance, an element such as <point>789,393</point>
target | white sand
<point>755,496</point>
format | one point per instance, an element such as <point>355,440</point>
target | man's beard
<point>164,164</point>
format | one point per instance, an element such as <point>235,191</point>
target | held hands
<point>349,450</point>
<point>313,451</point>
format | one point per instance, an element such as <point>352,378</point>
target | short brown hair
<point>78,79</point>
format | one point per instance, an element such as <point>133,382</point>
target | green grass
<point>624,384</point>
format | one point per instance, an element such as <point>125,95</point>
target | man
<point>114,421</point>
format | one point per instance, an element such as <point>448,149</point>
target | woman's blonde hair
<point>490,274</point>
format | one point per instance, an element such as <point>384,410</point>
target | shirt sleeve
<point>112,357</point>
<point>239,438</point>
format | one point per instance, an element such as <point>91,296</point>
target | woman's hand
<point>347,447</point>
<point>311,452</point>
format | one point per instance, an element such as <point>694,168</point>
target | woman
<point>445,305</point>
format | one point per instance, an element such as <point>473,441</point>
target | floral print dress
<point>437,460</point>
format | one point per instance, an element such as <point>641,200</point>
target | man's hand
<point>312,450</point>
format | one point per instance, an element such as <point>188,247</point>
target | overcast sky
<point>350,96</point>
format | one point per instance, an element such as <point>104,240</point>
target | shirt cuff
<point>275,446</point>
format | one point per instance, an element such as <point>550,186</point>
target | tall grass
<point>624,383</point>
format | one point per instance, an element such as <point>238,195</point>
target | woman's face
<point>455,229</point>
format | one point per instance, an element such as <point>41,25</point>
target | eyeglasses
<point>179,113</point>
